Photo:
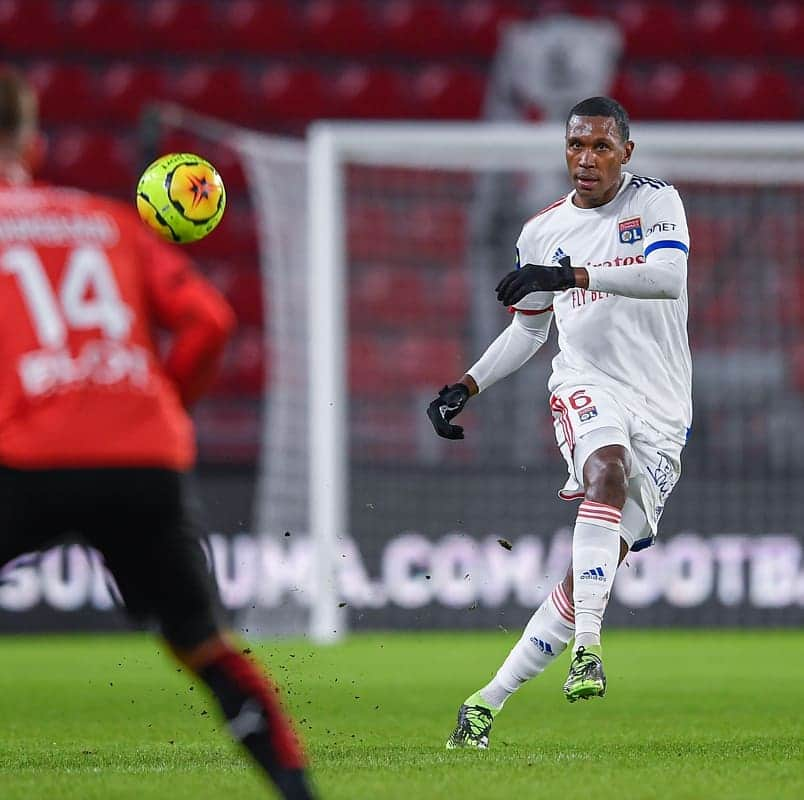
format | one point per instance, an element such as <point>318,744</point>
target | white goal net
<point>380,246</point>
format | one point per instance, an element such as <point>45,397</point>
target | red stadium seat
<point>798,91</point>
<point>653,30</point>
<point>361,92</point>
<point>291,93</point>
<point>424,360</point>
<point>719,315</point>
<point>448,92</point>
<point>30,27</point>
<point>712,235</point>
<point>418,28</point>
<point>107,27</point>
<point>630,89</point>
<point>242,371</point>
<point>594,9</point>
<point>786,29</point>
<point>675,93</point>
<point>797,367</point>
<point>480,23</point>
<point>241,285</point>
<point>576,8</point>
<point>388,296</point>
<point>254,26</point>
<point>453,294</point>
<point>180,26</point>
<point>379,365</point>
<point>367,366</point>
<point>340,27</point>
<point>774,236</point>
<point>726,29</point>
<point>66,93</point>
<point>245,294</point>
<point>370,230</point>
<point>790,301</point>
<point>125,89</point>
<point>216,91</point>
<point>436,231</point>
<point>93,161</point>
<point>381,432</point>
<point>757,94</point>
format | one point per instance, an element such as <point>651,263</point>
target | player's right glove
<point>448,404</point>
<point>535,278</point>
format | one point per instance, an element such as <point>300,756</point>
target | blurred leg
<point>250,703</point>
<point>162,573</point>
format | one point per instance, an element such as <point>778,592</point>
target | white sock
<point>544,639</point>
<point>595,557</point>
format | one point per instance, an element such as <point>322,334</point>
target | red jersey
<point>84,288</point>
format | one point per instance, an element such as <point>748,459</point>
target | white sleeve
<point>512,348</point>
<point>662,271</point>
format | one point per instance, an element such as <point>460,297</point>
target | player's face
<point>595,158</point>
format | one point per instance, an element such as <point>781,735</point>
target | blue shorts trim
<point>642,544</point>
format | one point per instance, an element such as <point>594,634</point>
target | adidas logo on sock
<point>595,574</point>
<point>545,647</point>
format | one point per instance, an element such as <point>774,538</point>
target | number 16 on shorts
<point>580,410</point>
<point>582,402</point>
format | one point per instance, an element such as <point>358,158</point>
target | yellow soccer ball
<point>181,196</point>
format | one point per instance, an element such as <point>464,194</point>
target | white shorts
<point>586,418</point>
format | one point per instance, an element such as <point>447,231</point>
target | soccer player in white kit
<point>609,262</point>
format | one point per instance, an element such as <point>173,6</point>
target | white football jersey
<point>637,348</point>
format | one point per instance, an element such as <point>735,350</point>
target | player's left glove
<point>448,404</point>
<point>535,278</point>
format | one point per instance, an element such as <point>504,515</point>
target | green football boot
<point>474,724</point>
<point>586,677</point>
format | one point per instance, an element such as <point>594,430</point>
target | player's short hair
<point>17,104</point>
<point>603,107</point>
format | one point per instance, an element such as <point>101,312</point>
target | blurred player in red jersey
<point>94,431</point>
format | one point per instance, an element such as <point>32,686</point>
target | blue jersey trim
<point>672,243</point>
<point>643,544</point>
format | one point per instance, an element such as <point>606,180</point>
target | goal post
<point>379,247</point>
<point>491,145</point>
<point>327,380</point>
<point>712,154</point>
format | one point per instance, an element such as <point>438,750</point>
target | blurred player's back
<point>95,440</point>
<point>82,287</point>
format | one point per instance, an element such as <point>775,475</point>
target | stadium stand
<point>278,65</point>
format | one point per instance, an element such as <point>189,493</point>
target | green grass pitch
<point>688,715</point>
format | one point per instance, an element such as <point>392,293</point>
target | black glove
<point>448,404</point>
<point>535,278</point>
